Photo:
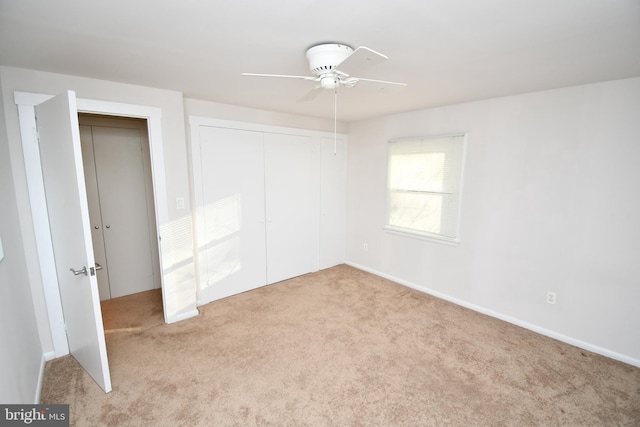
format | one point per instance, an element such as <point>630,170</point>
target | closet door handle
<point>98,266</point>
<point>108,226</point>
<point>79,272</point>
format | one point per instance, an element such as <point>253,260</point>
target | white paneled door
<point>292,204</point>
<point>231,243</point>
<point>67,208</point>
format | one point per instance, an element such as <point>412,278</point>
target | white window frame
<point>421,234</point>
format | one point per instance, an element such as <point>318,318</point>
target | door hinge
<point>36,135</point>
<point>66,329</point>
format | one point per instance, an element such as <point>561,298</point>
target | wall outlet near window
<point>551,297</point>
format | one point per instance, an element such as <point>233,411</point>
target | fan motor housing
<point>325,57</point>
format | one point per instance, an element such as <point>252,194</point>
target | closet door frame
<point>324,245</point>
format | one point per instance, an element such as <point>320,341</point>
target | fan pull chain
<point>335,122</point>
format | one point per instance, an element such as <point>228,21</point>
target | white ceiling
<point>448,51</point>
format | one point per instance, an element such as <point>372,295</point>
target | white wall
<point>550,202</point>
<point>20,348</point>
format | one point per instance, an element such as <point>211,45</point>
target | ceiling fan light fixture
<point>329,81</point>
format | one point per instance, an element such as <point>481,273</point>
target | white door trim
<point>26,112</point>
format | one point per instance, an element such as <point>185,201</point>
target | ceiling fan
<point>333,65</point>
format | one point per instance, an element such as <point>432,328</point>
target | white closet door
<point>93,200</point>
<point>232,244</point>
<point>123,200</point>
<point>292,205</point>
<point>333,202</point>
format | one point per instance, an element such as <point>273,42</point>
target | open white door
<point>64,185</point>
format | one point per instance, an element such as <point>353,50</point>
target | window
<point>423,186</point>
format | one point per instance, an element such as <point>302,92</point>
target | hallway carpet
<point>342,347</point>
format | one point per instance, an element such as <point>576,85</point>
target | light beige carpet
<point>133,313</point>
<point>342,347</point>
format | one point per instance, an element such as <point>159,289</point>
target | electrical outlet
<point>551,297</point>
<point>180,202</point>
<point>365,247</point>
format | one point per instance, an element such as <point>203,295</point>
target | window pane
<point>416,211</point>
<point>417,171</point>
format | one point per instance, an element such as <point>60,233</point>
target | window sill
<point>421,236</point>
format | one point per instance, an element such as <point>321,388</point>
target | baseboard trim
<point>49,355</point>
<point>184,316</point>
<point>518,322</point>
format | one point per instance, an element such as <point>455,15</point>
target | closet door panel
<point>292,205</point>
<point>91,183</point>
<point>333,202</point>
<point>231,244</point>
<point>121,184</point>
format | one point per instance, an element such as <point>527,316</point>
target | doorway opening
<point>118,177</point>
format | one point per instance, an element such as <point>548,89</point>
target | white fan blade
<point>312,94</point>
<point>360,59</point>
<point>384,82</point>
<point>371,85</point>
<point>281,75</point>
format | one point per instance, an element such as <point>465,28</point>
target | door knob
<point>79,272</point>
<point>108,226</point>
<point>98,266</point>
<point>96,227</point>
